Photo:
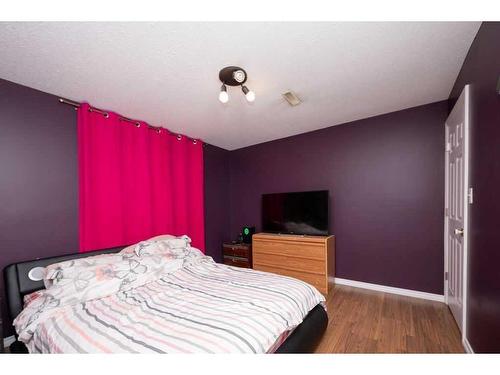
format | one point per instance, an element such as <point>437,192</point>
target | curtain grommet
<point>195,141</point>
<point>137,124</point>
<point>179,137</point>
<point>106,115</point>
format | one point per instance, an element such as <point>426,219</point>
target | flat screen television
<point>303,213</point>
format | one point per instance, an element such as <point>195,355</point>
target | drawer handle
<point>236,258</point>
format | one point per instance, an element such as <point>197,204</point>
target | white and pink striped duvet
<point>203,307</point>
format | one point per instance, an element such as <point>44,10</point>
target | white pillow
<point>131,249</point>
<point>166,244</point>
<point>71,267</point>
<point>148,247</point>
<point>178,243</point>
<point>161,237</point>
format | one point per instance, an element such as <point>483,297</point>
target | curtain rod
<point>123,118</point>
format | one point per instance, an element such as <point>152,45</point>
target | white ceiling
<point>167,73</point>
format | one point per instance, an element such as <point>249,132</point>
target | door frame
<point>466,197</point>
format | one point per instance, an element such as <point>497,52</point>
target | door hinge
<point>470,195</point>
<point>446,275</point>
<point>446,212</point>
<point>448,146</point>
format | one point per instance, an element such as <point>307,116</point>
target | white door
<point>456,212</point>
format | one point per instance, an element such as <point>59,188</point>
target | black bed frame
<point>17,284</point>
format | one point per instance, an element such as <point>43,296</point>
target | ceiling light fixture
<point>234,76</point>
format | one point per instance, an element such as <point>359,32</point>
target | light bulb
<point>223,95</point>
<point>250,96</point>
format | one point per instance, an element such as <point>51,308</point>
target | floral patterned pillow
<point>170,245</point>
<point>69,268</point>
<point>131,248</point>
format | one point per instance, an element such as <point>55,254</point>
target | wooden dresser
<point>308,258</point>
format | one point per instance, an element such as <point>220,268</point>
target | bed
<point>201,307</point>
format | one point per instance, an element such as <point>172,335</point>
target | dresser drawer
<point>236,251</point>
<point>237,262</point>
<point>320,282</point>
<point>303,249</point>
<point>300,264</point>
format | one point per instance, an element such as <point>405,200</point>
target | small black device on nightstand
<point>247,233</point>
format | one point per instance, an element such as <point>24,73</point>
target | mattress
<point>204,307</point>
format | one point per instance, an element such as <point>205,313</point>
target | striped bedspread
<point>204,307</point>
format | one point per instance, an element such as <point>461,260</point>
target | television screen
<point>296,213</point>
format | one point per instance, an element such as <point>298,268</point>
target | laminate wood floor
<point>364,321</point>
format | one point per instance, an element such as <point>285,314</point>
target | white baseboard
<point>467,347</point>
<point>388,289</point>
<point>7,341</point>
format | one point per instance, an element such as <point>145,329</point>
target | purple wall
<point>481,69</point>
<point>39,186</point>
<point>386,180</point>
<point>38,179</point>
<point>216,200</point>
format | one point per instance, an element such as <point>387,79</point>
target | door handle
<point>459,231</point>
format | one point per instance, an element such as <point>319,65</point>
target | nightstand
<point>237,254</point>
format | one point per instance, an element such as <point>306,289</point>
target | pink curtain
<point>136,182</point>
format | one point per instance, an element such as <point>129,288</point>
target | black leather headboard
<point>18,284</point>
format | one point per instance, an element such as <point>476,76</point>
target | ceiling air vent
<point>292,98</point>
